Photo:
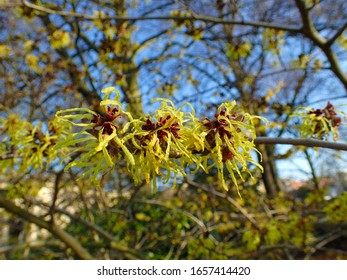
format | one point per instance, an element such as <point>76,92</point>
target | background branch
<point>301,142</point>
<point>53,229</point>
<point>193,17</point>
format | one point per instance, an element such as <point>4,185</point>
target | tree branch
<point>232,201</point>
<point>203,18</point>
<point>26,245</point>
<point>337,35</point>
<point>92,98</point>
<point>311,32</point>
<point>301,142</point>
<point>131,254</point>
<point>53,229</point>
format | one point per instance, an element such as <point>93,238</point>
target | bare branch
<point>311,32</point>
<point>131,254</point>
<point>232,201</point>
<point>53,229</point>
<point>203,18</point>
<point>25,245</point>
<point>337,35</point>
<point>301,142</point>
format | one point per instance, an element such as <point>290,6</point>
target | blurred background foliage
<point>270,56</point>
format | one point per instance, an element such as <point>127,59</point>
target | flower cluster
<point>26,146</point>
<point>161,144</point>
<point>319,123</point>
<point>106,123</point>
<point>229,141</point>
<point>164,145</point>
<point>220,125</point>
<point>329,113</point>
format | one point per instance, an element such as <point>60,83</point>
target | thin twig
<point>191,16</point>
<point>58,232</point>
<point>324,242</point>
<point>229,199</point>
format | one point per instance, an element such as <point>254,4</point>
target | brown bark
<point>271,180</point>
<point>62,235</point>
<point>132,92</point>
<point>310,31</point>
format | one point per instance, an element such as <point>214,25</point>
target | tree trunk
<point>313,172</point>
<point>271,180</point>
<point>132,91</point>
